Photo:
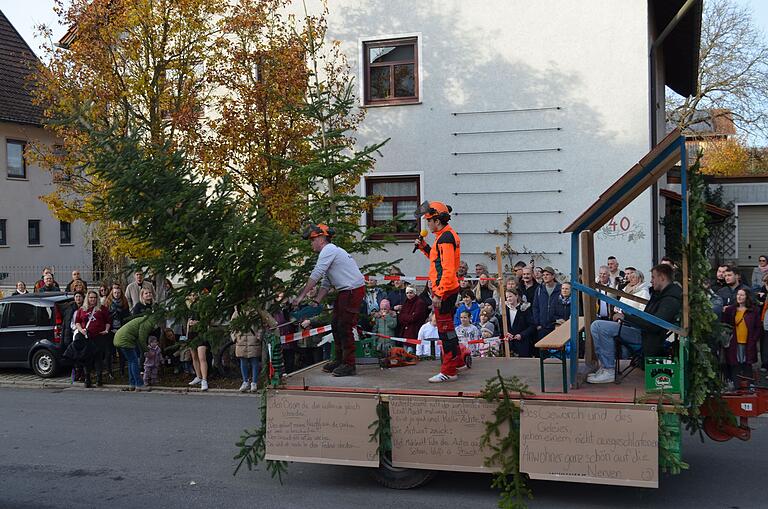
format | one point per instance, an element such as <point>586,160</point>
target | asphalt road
<point>72,448</point>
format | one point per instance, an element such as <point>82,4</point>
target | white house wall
<point>20,202</point>
<point>584,64</point>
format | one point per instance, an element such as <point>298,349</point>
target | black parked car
<point>32,330</point>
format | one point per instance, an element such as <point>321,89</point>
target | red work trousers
<point>346,311</point>
<point>447,332</point>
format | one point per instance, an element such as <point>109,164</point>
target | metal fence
<point>10,274</point>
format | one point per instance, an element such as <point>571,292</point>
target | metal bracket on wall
<point>516,110</point>
<point>505,172</point>
<point>507,213</point>
<point>521,151</point>
<point>513,233</point>
<point>504,131</point>
<point>509,192</point>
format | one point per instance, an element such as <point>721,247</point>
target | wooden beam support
<point>587,257</point>
<point>502,305</point>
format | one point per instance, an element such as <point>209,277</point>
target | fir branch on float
<point>502,437</point>
<point>704,372</point>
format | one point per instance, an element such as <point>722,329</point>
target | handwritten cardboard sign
<point>439,433</point>
<point>599,443</point>
<point>321,428</point>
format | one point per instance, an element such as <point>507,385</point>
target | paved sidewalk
<point>27,379</point>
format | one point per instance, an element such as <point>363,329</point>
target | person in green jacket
<point>133,334</point>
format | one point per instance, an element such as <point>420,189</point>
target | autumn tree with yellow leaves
<point>138,65</point>
<point>228,84</point>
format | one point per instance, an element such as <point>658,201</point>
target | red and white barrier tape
<point>418,341</point>
<point>289,338</point>
<point>426,278</point>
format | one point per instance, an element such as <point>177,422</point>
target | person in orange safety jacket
<point>444,258</point>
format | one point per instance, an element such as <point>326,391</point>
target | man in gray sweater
<point>336,268</point>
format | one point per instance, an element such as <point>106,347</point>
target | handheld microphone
<point>422,234</point>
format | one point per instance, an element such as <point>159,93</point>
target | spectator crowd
<point>121,330</point>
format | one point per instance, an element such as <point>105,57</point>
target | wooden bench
<point>553,346</point>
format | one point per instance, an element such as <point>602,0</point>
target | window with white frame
<point>14,159</point>
<point>65,232</point>
<point>391,71</point>
<point>33,232</point>
<point>399,197</point>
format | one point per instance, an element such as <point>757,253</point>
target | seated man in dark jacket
<point>665,303</point>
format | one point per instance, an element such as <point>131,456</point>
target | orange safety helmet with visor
<point>317,230</point>
<point>434,209</point>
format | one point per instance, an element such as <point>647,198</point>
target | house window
<point>33,229</point>
<point>400,196</point>
<point>65,232</point>
<point>14,158</point>
<point>3,236</point>
<point>391,71</point>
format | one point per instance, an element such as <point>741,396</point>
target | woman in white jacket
<point>637,287</point>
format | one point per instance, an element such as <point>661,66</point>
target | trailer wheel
<point>400,478</point>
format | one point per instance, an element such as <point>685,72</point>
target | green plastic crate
<point>364,349</point>
<point>663,374</point>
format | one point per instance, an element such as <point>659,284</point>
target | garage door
<point>753,233</point>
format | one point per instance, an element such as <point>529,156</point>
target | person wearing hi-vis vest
<point>444,259</point>
<point>335,267</point>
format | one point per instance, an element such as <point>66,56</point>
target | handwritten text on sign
<point>599,443</point>
<point>321,428</point>
<point>432,433</point>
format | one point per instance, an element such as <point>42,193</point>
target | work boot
<point>329,367</point>
<point>344,370</point>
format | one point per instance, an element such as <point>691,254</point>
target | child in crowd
<point>489,305</point>
<point>384,323</point>
<point>426,332</point>
<point>467,332</point>
<point>153,359</point>
<point>563,304</point>
<point>185,356</point>
<point>467,304</point>
<point>385,320</point>
<point>487,330</point>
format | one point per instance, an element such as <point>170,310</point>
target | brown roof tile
<point>17,61</point>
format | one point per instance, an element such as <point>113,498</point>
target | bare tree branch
<point>733,72</point>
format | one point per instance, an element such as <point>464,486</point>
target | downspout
<point>654,130</point>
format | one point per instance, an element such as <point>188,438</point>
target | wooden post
<point>503,302</point>
<point>586,246</point>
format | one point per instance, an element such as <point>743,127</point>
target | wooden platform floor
<point>412,380</point>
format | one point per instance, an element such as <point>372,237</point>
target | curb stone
<point>117,388</point>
